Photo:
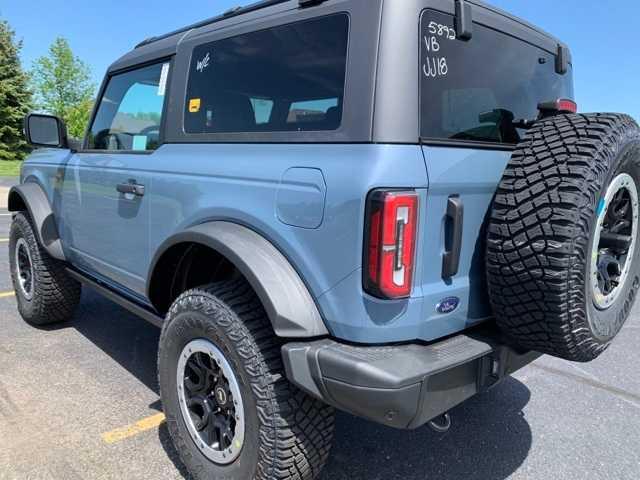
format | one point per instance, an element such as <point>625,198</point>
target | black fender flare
<point>32,196</point>
<point>287,301</point>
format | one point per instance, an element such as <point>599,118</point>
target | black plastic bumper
<point>402,386</point>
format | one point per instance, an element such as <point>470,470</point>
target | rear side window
<point>130,111</point>
<point>477,90</point>
<point>287,78</point>
<point>311,111</point>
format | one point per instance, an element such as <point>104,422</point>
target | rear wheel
<point>562,253</point>
<point>45,292</point>
<point>230,410</point>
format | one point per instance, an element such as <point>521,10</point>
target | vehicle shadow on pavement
<point>170,450</point>
<point>489,439</point>
<point>127,339</point>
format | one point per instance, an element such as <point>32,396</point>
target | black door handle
<point>131,188</point>
<point>453,237</point>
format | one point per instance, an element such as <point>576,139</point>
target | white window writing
<point>442,30</point>
<point>436,65</point>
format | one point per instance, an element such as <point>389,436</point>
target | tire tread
<point>57,295</point>
<point>539,230</point>
<point>296,431</point>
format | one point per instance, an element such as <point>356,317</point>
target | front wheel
<point>45,292</point>
<point>230,410</point>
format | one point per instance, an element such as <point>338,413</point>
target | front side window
<point>286,78</point>
<point>478,90</point>
<point>130,111</point>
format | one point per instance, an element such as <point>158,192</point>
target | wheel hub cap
<point>24,269</point>
<point>210,401</point>
<point>221,397</point>
<point>615,240</point>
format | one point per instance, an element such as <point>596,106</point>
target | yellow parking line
<point>4,240</point>
<point>7,294</point>
<point>119,434</point>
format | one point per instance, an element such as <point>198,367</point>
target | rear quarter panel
<point>196,183</point>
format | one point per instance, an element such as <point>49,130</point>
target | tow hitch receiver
<point>443,426</point>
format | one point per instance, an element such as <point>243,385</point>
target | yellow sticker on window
<point>194,105</point>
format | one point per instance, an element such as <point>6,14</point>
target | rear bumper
<point>402,386</point>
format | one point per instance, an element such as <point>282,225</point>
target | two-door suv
<point>379,206</point>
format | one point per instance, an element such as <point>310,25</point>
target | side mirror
<point>45,131</point>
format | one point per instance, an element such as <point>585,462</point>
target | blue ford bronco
<point>378,206</point>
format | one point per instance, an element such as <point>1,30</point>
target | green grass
<point>10,168</point>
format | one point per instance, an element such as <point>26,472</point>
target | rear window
<point>475,90</point>
<point>287,78</point>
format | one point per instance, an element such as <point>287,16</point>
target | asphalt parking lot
<point>80,401</point>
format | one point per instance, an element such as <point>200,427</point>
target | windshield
<point>477,90</point>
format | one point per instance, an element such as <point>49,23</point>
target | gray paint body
<point>288,208</point>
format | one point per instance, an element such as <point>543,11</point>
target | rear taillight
<point>562,105</point>
<point>568,106</point>
<point>390,240</point>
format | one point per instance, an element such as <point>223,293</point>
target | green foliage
<point>10,168</point>
<point>15,97</point>
<point>63,86</point>
<point>77,118</point>
<point>149,116</point>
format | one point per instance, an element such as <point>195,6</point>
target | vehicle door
<point>106,185</point>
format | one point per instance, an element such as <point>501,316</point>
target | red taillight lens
<point>568,106</point>
<point>390,243</point>
<point>562,105</point>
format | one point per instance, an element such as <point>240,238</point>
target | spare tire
<point>562,252</point>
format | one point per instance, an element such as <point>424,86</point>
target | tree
<point>77,118</point>
<point>63,86</point>
<point>15,97</point>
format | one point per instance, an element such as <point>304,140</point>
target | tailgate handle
<point>452,237</point>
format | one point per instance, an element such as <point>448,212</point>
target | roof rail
<point>233,12</point>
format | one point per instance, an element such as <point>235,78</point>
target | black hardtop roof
<point>167,44</point>
<point>232,12</point>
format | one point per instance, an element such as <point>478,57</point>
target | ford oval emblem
<point>448,305</point>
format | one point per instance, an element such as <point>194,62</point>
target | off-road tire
<point>541,232</point>
<point>55,294</point>
<point>288,434</point>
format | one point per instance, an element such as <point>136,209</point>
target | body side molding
<point>35,199</point>
<point>286,299</point>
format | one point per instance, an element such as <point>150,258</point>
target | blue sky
<point>602,35</point>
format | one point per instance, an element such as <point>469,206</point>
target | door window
<point>130,111</point>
